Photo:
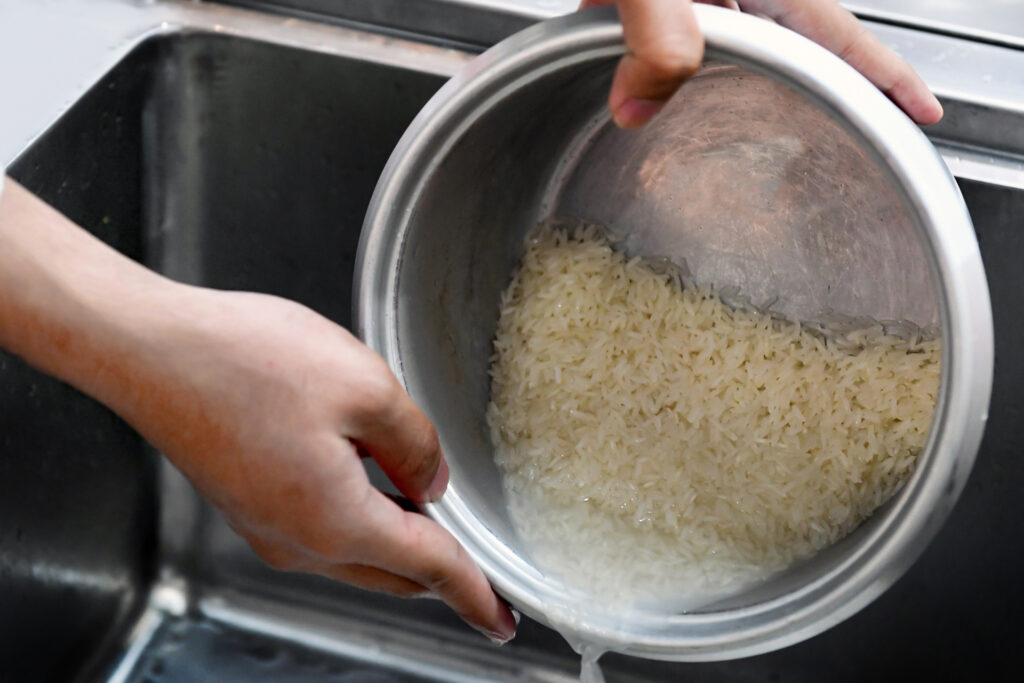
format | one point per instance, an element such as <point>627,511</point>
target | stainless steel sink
<point>247,164</point>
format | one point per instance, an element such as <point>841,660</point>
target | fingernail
<point>634,112</point>
<point>506,629</point>
<point>439,484</point>
<point>498,638</point>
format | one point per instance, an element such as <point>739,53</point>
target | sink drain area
<point>189,649</point>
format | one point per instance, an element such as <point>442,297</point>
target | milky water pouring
<point>661,450</point>
<point>590,669</point>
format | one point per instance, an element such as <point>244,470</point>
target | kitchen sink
<point>236,163</point>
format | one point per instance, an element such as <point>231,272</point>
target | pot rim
<point>917,511</point>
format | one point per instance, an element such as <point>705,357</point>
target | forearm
<point>262,403</point>
<point>70,305</point>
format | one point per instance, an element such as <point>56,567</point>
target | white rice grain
<point>654,440</point>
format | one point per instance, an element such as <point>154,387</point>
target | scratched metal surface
<point>995,20</point>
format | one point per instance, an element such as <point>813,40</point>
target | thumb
<point>664,47</point>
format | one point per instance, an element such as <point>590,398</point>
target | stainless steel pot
<point>778,173</point>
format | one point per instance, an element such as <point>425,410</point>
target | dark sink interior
<point>244,165</point>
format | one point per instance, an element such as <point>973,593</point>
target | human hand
<point>265,405</point>
<point>665,47</point>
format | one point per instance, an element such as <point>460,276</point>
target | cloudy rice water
<point>659,445</point>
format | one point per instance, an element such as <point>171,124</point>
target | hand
<point>665,47</point>
<point>263,404</point>
<point>266,407</point>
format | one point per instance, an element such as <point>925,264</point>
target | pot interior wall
<point>743,182</point>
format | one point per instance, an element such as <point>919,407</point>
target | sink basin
<point>244,164</point>
<point>221,162</point>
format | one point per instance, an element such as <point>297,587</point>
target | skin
<point>267,407</point>
<point>262,403</point>
<point>665,47</point>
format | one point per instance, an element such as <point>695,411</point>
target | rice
<point>654,439</point>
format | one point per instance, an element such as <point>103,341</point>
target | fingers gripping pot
<point>777,171</point>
